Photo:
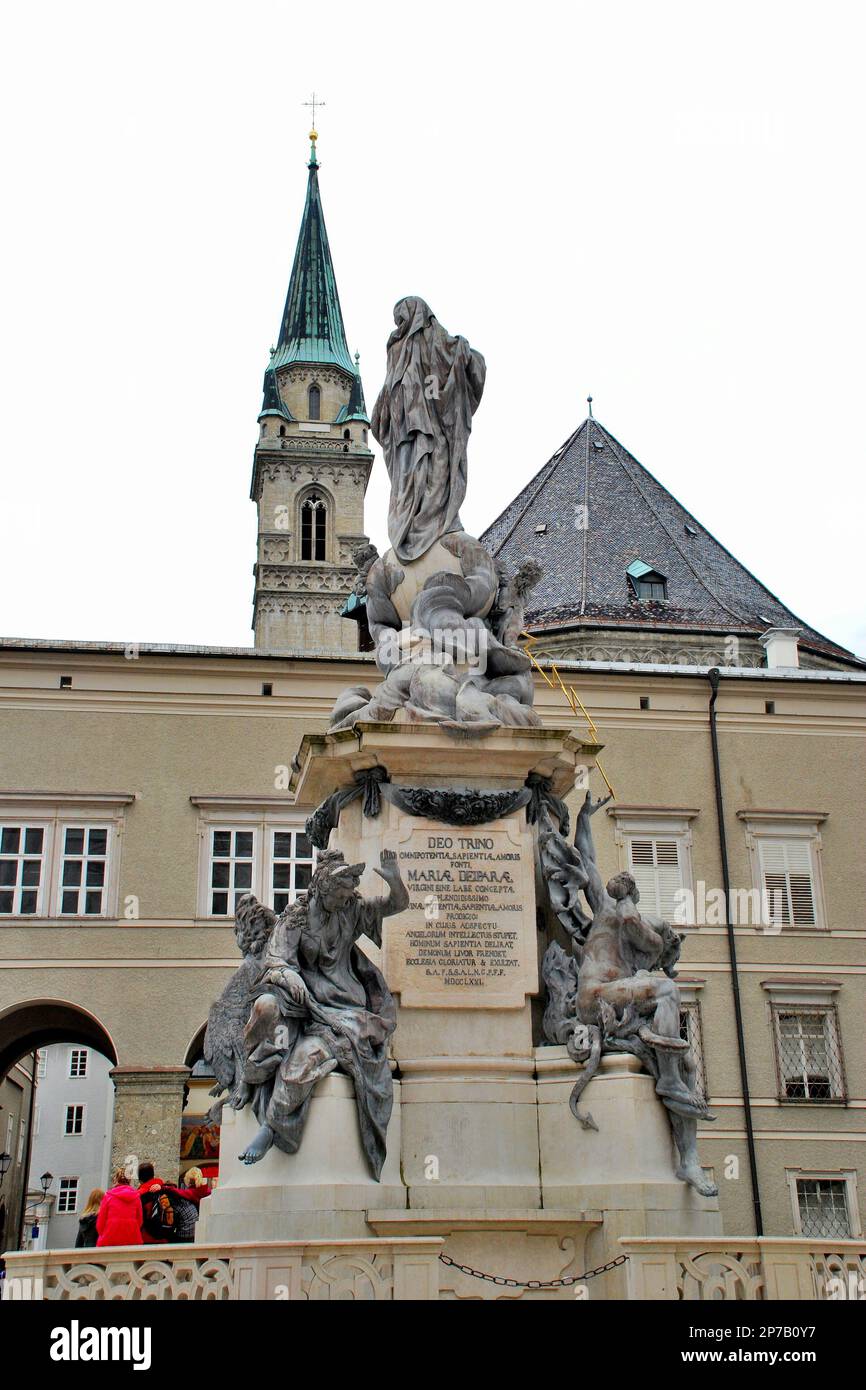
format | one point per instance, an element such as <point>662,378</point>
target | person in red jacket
<point>118,1221</point>
<point>149,1188</point>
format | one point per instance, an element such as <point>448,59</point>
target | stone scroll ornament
<point>614,990</point>
<point>304,1002</point>
<point>445,621</point>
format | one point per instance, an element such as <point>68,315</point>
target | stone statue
<point>323,1004</point>
<point>223,1039</point>
<point>444,621</point>
<point>422,419</point>
<point>617,991</point>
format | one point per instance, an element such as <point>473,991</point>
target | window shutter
<point>786,873</point>
<point>655,865</point>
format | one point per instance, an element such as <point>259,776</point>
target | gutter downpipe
<point>714,677</point>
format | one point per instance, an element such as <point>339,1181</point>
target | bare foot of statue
<point>259,1146</point>
<point>242,1096</point>
<point>677,1097</point>
<point>694,1175</point>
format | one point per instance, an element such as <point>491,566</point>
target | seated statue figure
<point>322,1004</point>
<point>617,992</point>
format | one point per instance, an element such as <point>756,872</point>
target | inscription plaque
<point>468,936</point>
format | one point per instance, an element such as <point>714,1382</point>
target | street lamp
<point>46,1180</point>
<point>5,1160</point>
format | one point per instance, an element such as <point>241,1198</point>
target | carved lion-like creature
<point>224,1037</point>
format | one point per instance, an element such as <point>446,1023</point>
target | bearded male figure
<point>322,1004</point>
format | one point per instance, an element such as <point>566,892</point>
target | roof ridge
<point>619,449</point>
<point>545,473</point>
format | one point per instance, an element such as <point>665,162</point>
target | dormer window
<point>314,527</point>
<point>645,583</point>
<point>314,403</point>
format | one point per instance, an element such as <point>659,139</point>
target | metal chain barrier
<point>566,1282</point>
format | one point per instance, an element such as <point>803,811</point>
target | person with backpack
<point>87,1232</point>
<point>157,1222</point>
<point>169,1214</point>
<point>195,1189</point>
<point>118,1221</point>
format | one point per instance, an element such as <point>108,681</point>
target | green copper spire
<point>312,327</point>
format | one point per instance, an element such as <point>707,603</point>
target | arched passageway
<point>36,1023</point>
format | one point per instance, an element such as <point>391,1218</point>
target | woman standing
<point>120,1214</point>
<point>87,1232</point>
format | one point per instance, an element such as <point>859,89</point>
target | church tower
<point>312,461</point>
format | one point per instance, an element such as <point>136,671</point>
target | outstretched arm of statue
<point>584,843</point>
<point>375,909</point>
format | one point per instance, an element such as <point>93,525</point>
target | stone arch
<point>195,1051</point>
<point>35,1023</point>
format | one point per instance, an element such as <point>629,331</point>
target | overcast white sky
<point>658,203</point>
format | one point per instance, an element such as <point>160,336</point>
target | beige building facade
<point>169,784</point>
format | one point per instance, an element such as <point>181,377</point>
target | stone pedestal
<point>482,1147</point>
<point>323,1192</point>
<point>148,1104</point>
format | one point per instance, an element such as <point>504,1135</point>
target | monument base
<point>323,1192</point>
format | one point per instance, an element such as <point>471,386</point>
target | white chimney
<point>780,644</point>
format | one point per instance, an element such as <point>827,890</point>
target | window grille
<point>823,1208</point>
<point>808,1055</point>
<point>691,1032</point>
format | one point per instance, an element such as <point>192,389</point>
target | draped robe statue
<point>423,419</point>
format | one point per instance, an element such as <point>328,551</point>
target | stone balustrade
<point>772,1267</point>
<point>407,1268</point>
<point>403,1268</point>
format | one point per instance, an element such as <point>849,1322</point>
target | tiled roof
<point>629,517</point>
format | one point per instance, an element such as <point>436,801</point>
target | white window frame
<point>263,816</point>
<point>75,1189</point>
<point>800,826</point>
<point>270,830</point>
<point>656,823</point>
<point>78,1052</point>
<point>11,821</point>
<point>846,1176</point>
<point>53,813</point>
<point>41,1063</point>
<point>72,1105</point>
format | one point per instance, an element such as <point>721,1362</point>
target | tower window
<point>282,431</point>
<point>314,524</point>
<point>347,434</point>
<point>314,403</point>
